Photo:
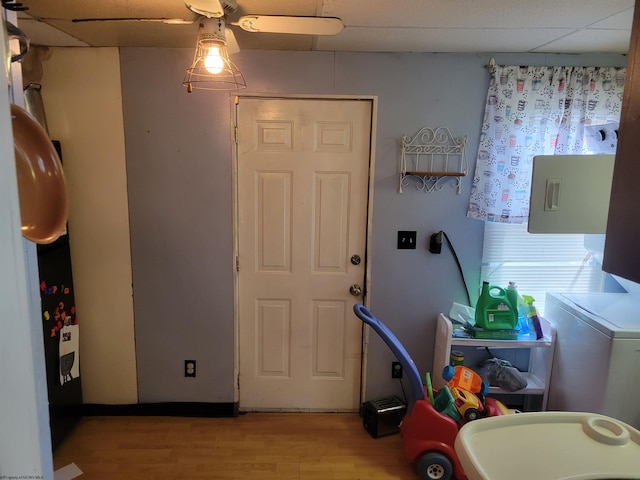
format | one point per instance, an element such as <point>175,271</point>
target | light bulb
<point>213,61</point>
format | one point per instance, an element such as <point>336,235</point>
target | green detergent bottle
<point>495,309</point>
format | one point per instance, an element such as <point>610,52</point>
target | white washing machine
<point>596,366</point>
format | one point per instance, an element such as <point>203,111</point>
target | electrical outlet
<point>406,239</point>
<point>396,370</point>
<point>189,368</point>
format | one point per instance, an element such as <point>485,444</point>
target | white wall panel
<point>83,102</point>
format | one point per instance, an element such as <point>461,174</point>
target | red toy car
<point>428,436</point>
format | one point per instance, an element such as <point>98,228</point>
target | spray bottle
<point>523,310</point>
<point>533,316</point>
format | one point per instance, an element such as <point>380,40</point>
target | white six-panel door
<point>303,167</point>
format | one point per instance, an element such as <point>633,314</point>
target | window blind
<point>538,263</point>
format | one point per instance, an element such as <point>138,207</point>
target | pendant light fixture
<point>211,68</point>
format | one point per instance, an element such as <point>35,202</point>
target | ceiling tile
<point>439,40</point>
<point>40,33</point>
<point>459,13</point>
<point>589,40</point>
<point>621,21</point>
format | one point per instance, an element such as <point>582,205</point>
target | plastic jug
<point>495,310</point>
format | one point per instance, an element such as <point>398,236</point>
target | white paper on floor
<point>67,473</point>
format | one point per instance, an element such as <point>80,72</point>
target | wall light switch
<point>406,239</point>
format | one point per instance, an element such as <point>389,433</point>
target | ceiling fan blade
<point>206,8</point>
<point>285,24</point>
<point>168,21</point>
<point>232,43</point>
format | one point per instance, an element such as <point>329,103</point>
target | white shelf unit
<point>537,354</point>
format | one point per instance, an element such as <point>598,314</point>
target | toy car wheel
<point>471,414</point>
<point>434,466</point>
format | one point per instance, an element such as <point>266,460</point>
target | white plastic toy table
<point>549,446</point>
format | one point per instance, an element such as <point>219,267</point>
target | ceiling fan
<point>220,10</point>
<point>211,68</point>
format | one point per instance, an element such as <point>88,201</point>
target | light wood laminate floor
<point>282,446</point>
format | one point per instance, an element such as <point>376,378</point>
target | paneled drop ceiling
<point>490,26</point>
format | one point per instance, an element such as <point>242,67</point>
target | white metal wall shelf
<point>432,156</point>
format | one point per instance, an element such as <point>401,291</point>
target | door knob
<point>355,290</point>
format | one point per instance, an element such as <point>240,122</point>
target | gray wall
<point>179,169</point>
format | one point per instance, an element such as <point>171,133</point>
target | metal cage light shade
<point>211,68</point>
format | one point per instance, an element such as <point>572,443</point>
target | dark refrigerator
<point>60,329</point>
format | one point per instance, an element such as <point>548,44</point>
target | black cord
<point>455,256</point>
<point>404,394</point>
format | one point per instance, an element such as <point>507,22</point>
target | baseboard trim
<point>167,409</point>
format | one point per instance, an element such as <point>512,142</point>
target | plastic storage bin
<point>549,446</point>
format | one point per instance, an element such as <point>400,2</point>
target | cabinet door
<point>621,253</point>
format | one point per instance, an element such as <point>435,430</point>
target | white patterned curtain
<point>535,111</point>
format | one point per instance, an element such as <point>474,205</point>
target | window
<point>539,263</point>
<point>537,110</point>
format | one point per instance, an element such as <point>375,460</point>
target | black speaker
<point>382,417</point>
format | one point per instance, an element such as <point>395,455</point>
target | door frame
<point>367,273</point>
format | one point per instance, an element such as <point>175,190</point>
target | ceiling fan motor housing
<point>229,6</point>
<point>213,30</point>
